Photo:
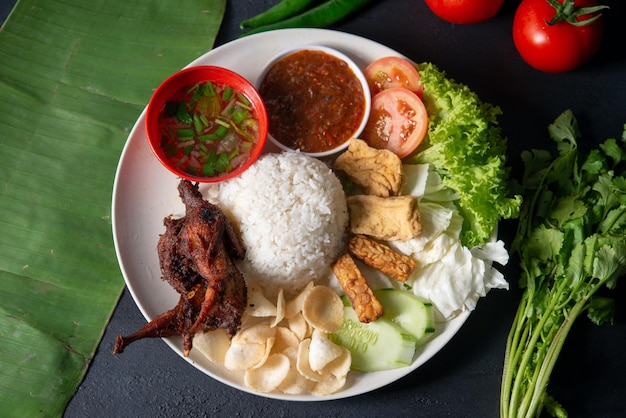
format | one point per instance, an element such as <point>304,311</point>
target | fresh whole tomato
<point>465,11</point>
<point>555,45</point>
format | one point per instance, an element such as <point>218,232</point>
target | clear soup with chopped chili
<point>314,101</point>
<point>208,129</point>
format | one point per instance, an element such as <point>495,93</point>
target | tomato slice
<point>398,121</point>
<point>389,72</point>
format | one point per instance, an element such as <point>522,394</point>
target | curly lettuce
<point>465,146</point>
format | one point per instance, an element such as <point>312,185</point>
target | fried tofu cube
<point>354,284</point>
<point>377,172</point>
<point>381,257</point>
<point>384,218</point>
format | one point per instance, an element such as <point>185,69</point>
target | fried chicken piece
<point>196,255</point>
<point>354,284</point>
<point>378,172</point>
<point>381,257</point>
<point>384,218</point>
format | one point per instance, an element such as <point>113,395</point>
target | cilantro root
<point>571,242</point>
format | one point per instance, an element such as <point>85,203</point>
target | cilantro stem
<point>572,242</point>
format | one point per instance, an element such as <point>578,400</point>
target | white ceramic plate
<point>144,193</point>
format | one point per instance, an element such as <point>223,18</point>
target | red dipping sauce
<point>314,101</point>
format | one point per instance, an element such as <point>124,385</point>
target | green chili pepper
<point>276,13</point>
<point>326,14</point>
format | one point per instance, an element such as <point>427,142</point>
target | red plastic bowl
<point>185,79</point>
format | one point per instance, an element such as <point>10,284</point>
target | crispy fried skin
<point>196,255</point>
<point>364,302</point>
<point>381,257</point>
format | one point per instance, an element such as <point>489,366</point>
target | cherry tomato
<point>558,47</point>
<point>398,121</point>
<point>388,72</point>
<point>465,11</point>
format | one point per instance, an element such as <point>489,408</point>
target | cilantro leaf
<point>572,242</point>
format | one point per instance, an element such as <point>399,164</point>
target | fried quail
<point>196,255</point>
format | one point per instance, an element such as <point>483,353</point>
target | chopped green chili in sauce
<point>208,129</point>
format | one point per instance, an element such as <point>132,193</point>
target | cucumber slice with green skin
<point>411,312</point>
<point>390,341</point>
<point>378,345</point>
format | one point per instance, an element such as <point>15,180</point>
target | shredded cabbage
<point>452,276</point>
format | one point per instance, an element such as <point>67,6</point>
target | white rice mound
<point>292,214</point>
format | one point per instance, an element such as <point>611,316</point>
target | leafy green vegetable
<point>572,243</point>
<point>466,148</point>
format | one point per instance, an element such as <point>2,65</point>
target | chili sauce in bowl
<point>316,98</point>
<point>206,124</point>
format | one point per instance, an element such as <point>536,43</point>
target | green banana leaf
<point>74,77</point>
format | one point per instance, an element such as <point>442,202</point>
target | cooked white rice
<point>291,212</point>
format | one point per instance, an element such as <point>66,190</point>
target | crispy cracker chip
<point>258,333</point>
<point>284,347</point>
<point>212,344</point>
<point>322,308</point>
<point>250,347</point>
<point>329,386</point>
<point>258,304</point>
<point>322,351</point>
<point>280,308</point>
<point>243,356</point>
<point>295,383</point>
<point>303,365</point>
<point>270,375</point>
<point>268,350</point>
<point>299,326</point>
<point>341,365</point>
<point>294,306</point>
<point>285,338</point>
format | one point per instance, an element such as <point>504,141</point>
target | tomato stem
<point>568,12</point>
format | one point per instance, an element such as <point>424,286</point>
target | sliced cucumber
<point>412,313</point>
<point>379,345</point>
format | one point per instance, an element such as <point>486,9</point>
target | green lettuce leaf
<point>465,145</point>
